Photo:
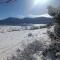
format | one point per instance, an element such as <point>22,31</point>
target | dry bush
<point>28,52</point>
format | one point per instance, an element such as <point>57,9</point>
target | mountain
<point>18,21</point>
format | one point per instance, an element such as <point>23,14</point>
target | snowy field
<point>14,37</point>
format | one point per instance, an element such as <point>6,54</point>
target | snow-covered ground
<point>12,40</point>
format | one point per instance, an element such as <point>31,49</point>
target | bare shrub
<point>52,51</point>
<point>30,34</point>
<point>50,34</point>
<point>42,27</point>
<point>28,52</point>
<point>35,27</point>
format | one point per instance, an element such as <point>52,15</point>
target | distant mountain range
<point>18,21</point>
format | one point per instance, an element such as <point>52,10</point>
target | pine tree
<point>54,49</point>
<point>55,13</point>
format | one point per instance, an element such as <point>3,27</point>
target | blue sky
<point>25,8</point>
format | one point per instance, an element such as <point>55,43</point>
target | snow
<point>12,40</point>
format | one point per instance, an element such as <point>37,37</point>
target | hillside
<point>12,40</point>
<point>24,21</point>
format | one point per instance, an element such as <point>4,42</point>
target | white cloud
<point>44,15</point>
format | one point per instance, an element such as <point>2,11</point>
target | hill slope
<point>17,21</point>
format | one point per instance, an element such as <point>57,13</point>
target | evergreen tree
<point>55,13</point>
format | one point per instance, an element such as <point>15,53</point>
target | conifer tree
<point>55,13</point>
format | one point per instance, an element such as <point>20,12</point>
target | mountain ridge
<point>18,21</point>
